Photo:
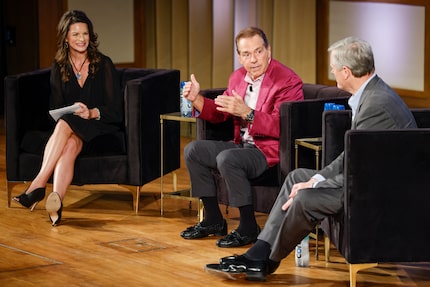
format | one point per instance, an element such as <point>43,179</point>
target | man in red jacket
<point>254,94</point>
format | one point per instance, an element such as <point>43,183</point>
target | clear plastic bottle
<point>186,107</point>
<point>302,253</point>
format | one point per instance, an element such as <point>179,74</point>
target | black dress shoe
<point>271,265</point>
<point>240,267</point>
<point>199,231</point>
<point>234,239</point>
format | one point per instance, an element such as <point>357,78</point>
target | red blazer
<point>280,84</point>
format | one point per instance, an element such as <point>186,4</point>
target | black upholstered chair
<point>385,216</point>
<point>130,158</point>
<point>299,119</point>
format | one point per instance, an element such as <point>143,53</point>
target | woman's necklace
<point>78,74</point>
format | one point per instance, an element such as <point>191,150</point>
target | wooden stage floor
<point>102,242</point>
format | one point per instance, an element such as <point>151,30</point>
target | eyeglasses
<point>257,54</point>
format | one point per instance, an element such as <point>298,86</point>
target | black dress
<point>101,91</point>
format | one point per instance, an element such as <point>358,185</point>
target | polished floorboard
<point>102,242</point>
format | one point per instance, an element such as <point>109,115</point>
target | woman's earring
<point>66,45</point>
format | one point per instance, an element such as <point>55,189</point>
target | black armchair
<point>298,119</point>
<point>303,119</point>
<point>132,157</point>
<point>386,192</point>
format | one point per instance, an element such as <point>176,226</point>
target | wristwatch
<point>250,116</point>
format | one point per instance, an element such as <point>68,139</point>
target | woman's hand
<point>83,111</point>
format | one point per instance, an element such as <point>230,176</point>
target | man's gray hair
<point>354,53</point>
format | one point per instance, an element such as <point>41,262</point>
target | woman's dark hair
<point>62,55</point>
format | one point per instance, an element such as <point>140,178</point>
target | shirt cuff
<point>318,178</point>
<point>98,111</point>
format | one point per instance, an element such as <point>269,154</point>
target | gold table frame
<point>175,116</point>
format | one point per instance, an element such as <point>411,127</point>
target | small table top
<point>312,143</point>
<point>176,116</point>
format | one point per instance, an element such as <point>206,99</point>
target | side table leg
<point>317,160</point>
<point>296,147</point>
<point>161,166</point>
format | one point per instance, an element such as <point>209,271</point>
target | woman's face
<point>78,37</point>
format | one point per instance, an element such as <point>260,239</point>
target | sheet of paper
<point>57,113</point>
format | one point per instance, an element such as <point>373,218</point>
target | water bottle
<point>328,106</point>
<point>333,106</point>
<point>302,253</point>
<point>186,106</point>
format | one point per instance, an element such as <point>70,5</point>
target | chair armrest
<point>335,124</point>
<point>26,109</point>
<point>387,195</point>
<point>317,91</point>
<point>210,131</point>
<point>422,117</point>
<point>145,99</point>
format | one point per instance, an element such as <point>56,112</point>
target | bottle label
<point>302,253</point>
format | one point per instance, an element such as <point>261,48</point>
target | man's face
<point>253,55</point>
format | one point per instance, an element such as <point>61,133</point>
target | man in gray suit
<point>308,196</point>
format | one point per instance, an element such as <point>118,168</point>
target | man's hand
<point>233,105</point>
<point>191,89</point>
<point>295,190</point>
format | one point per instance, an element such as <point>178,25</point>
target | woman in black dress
<point>80,74</point>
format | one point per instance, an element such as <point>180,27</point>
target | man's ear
<point>346,72</point>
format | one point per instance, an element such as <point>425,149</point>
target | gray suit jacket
<point>379,108</point>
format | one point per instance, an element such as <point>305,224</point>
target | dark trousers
<point>235,163</point>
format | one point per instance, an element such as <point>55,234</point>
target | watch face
<point>250,116</point>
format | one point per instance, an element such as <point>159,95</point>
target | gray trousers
<point>235,163</point>
<point>285,229</point>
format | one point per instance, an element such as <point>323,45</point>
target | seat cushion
<point>34,142</point>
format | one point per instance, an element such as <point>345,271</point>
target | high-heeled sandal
<point>31,199</point>
<point>54,207</point>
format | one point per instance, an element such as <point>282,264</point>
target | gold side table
<point>185,195</point>
<point>314,144</point>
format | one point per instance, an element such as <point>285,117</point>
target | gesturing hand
<point>191,89</point>
<point>232,104</point>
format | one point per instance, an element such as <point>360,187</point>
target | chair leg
<point>354,268</point>
<point>136,200</point>
<point>315,236</point>
<point>135,191</point>
<point>326,248</point>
